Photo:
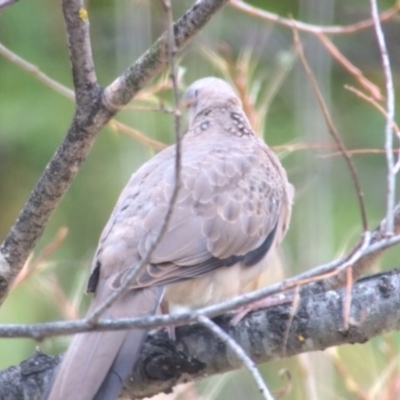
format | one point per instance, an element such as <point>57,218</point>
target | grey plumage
<point>233,209</point>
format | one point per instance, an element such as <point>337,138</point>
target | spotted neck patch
<point>239,125</point>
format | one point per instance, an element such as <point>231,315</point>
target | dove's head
<point>209,93</point>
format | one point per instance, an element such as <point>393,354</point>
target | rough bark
<point>279,332</point>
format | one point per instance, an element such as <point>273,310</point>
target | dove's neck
<point>229,120</point>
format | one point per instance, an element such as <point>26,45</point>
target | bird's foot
<point>268,302</point>
<point>170,329</point>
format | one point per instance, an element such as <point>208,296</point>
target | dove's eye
<point>192,97</point>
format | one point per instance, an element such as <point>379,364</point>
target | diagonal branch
<point>97,107</point>
<point>36,72</point>
<point>240,354</point>
<point>70,94</point>
<point>333,131</point>
<point>135,270</point>
<point>373,89</point>
<point>122,90</point>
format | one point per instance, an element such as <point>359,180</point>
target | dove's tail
<point>97,363</point>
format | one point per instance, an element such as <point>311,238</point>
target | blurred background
<point>260,59</point>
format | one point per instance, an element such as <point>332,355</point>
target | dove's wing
<point>229,203</point>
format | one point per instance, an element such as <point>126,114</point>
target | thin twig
<point>285,391</point>
<point>302,26</point>
<point>31,265</point>
<point>134,272</point>
<point>40,330</point>
<point>357,252</point>
<point>356,152</point>
<point>274,85</point>
<point>348,297</point>
<point>396,168</point>
<point>119,92</point>
<point>361,255</point>
<point>36,72</point>
<point>390,106</point>
<point>332,129</point>
<point>374,103</point>
<point>293,309</point>
<point>347,378</point>
<point>351,68</point>
<point>323,272</point>
<point>239,352</point>
<point>356,260</point>
<point>70,94</point>
<point>386,384</point>
<point>157,145</point>
<point>292,147</point>
<point>172,51</point>
<point>137,135</point>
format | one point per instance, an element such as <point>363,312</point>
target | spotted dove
<point>233,208</point>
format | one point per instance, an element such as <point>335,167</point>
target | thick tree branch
<point>318,323</point>
<point>96,108</point>
<point>80,53</point>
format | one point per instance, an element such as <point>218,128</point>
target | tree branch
<point>80,53</point>
<point>318,323</point>
<point>305,27</point>
<point>390,110</point>
<point>96,108</point>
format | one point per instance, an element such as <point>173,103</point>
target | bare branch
<point>137,135</point>
<point>332,129</point>
<point>134,272</point>
<point>80,53</point>
<point>390,106</point>
<point>70,94</point>
<point>31,267</point>
<point>304,27</point>
<point>375,104</point>
<point>100,106</point>
<point>240,354</point>
<point>121,91</point>
<point>338,56</point>
<point>36,72</point>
